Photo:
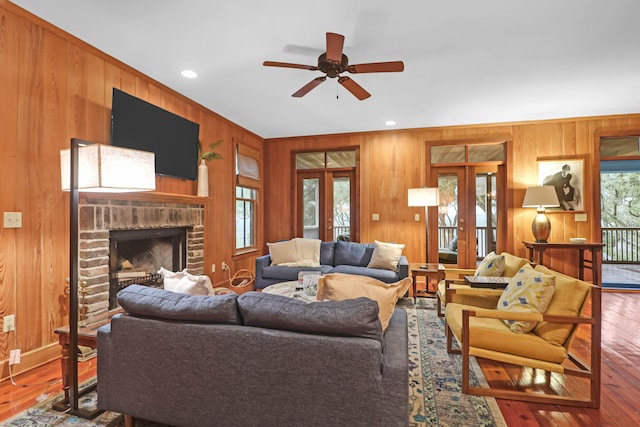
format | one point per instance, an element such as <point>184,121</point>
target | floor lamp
<point>101,168</point>
<point>424,197</point>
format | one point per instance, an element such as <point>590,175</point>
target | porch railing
<point>621,245</point>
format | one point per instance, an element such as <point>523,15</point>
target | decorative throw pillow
<point>339,286</point>
<point>386,256</point>
<point>491,265</point>
<point>529,291</point>
<point>308,252</point>
<point>283,252</point>
<point>186,283</point>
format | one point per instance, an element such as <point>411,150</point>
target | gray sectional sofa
<point>252,360</point>
<point>335,257</point>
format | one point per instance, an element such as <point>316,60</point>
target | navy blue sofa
<point>335,257</point>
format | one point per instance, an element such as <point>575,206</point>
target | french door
<point>468,214</point>
<point>326,205</point>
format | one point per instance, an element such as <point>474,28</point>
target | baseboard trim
<point>30,360</point>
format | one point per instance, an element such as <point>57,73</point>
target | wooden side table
<point>87,336</point>
<point>429,271</point>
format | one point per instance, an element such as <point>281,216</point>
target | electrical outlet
<point>213,267</point>
<point>224,266</point>
<point>9,323</point>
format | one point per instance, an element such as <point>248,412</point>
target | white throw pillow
<point>186,283</point>
<point>283,252</point>
<point>386,256</point>
<point>529,291</point>
<point>308,251</point>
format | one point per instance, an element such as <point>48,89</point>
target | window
<point>247,187</point>
<point>245,217</point>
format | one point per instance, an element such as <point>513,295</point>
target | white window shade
<point>105,168</point>
<point>247,167</point>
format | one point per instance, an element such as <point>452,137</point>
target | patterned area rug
<point>435,395</point>
<point>435,398</point>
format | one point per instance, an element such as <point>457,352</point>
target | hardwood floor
<point>620,377</point>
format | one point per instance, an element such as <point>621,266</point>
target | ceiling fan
<point>333,62</point>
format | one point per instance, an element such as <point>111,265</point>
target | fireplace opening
<point>135,256</point>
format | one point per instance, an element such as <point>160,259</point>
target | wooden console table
<point>536,251</point>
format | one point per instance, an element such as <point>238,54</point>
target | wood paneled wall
<point>394,161</point>
<point>54,87</point>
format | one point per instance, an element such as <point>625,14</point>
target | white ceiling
<point>466,61</point>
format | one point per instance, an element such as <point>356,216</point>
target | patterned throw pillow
<point>529,291</point>
<point>492,265</point>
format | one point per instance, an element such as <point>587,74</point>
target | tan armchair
<point>482,333</point>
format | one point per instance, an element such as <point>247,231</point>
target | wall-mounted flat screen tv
<point>143,126</point>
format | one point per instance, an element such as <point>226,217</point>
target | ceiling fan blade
<point>307,88</point>
<point>377,67</point>
<point>288,65</point>
<point>335,43</point>
<point>353,87</point>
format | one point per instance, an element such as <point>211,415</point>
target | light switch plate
<point>375,217</point>
<point>581,217</point>
<point>13,220</point>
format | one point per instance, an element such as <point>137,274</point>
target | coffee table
<point>288,289</point>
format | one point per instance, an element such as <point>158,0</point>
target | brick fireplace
<point>98,217</point>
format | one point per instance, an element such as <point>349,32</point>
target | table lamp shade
<point>423,197</point>
<point>544,196</point>
<point>109,169</point>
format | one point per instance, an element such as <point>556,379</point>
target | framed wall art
<point>567,176</point>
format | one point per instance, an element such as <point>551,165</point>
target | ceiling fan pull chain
<point>337,90</point>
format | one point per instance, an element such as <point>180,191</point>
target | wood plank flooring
<point>620,377</point>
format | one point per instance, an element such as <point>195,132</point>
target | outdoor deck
<point>621,276</point>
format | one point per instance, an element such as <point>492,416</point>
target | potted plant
<point>203,170</point>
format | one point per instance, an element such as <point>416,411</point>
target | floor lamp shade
<point>423,196</point>
<point>94,168</point>
<point>109,169</point>
<point>541,197</point>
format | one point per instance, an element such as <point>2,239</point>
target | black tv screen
<point>143,126</point>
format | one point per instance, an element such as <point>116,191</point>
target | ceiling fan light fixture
<point>189,74</point>
<point>390,123</point>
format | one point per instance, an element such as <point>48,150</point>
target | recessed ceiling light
<point>190,74</point>
<point>390,122</point>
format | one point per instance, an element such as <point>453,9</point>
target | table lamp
<point>101,168</point>
<point>541,197</point>
<point>424,197</point>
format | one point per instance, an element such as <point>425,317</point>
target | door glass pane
<point>448,219</point>
<point>311,205</point>
<point>448,154</point>
<point>341,159</point>
<point>310,160</point>
<point>486,153</point>
<point>486,214</point>
<point>342,209</point>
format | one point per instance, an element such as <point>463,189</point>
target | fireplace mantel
<point>148,196</point>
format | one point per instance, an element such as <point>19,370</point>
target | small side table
<point>429,271</point>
